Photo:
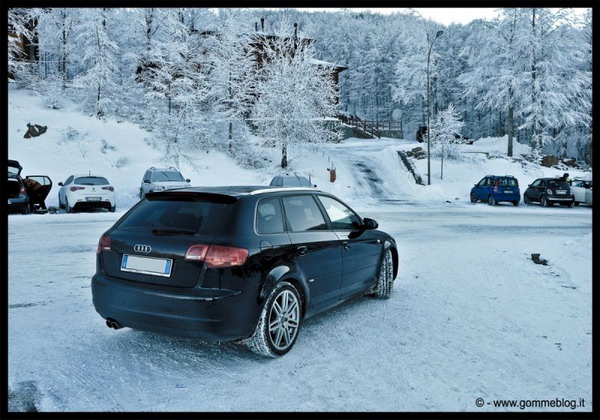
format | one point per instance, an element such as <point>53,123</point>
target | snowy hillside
<point>121,151</point>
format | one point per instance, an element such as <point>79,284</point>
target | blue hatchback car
<point>496,188</point>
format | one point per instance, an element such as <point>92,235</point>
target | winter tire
<point>515,203</point>
<point>68,208</point>
<point>473,198</point>
<point>141,193</point>
<point>113,208</point>
<point>492,201</point>
<point>385,280</point>
<point>526,199</point>
<point>279,322</point>
<point>544,201</point>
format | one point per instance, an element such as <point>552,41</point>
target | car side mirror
<point>370,223</point>
<point>474,185</point>
<point>187,180</point>
<point>60,184</point>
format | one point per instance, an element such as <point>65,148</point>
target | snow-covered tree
<point>497,54</point>
<point>446,131</point>
<point>100,59</point>
<point>295,96</point>
<point>233,69</point>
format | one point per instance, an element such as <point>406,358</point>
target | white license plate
<point>507,191</point>
<point>93,198</point>
<point>147,265</point>
<point>560,192</point>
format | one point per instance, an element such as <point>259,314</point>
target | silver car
<point>582,190</point>
<point>159,179</point>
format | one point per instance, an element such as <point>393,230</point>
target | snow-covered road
<point>471,317</point>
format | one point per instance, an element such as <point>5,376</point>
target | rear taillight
<point>77,188</point>
<point>103,244</point>
<point>217,256</point>
<point>108,188</point>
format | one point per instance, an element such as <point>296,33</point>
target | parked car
<point>88,192</point>
<point>38,187</point>
<point>158,179</point>
<point>238,263</point>
<point>582,191</point>
<point>548,191</point>
<point>496,188</point>
<point>291,181</point>
<point>18,200</point>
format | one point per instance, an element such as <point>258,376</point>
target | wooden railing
<point>372,127</point>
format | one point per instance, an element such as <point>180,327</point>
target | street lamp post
<point>437,35</point>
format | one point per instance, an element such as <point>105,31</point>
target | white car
<point>582,190</point>
<point>159,179</point>
<point>86,192</point>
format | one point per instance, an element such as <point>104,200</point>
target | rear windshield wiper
<point>174,231</point>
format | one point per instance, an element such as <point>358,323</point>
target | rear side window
<point>91,180</point>
<point>269,217</point>
<point>201,217</point>
<point>303,213</point>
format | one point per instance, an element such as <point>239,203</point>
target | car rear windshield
<point>507,182</point>
<point>179,215</point>
<point>90,180</point>
<point>557,183</point>
<point>160,176</point>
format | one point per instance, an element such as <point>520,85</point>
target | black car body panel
<point>18,200</point>
<point>326,265</point>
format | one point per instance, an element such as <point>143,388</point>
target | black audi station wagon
<point>238,263</point>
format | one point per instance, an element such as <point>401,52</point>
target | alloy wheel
<point>284,320</point>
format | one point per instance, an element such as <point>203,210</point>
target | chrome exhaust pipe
<point>111,323</point>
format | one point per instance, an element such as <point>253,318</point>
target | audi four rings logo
<point>145,249</point>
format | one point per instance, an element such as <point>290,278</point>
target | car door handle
<point>346,245</point>
<point>302,250</point>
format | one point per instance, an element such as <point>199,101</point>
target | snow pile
<point>498,146</point>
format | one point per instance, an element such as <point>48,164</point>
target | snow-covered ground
<point>471,316</point>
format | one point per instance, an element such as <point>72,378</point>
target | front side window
<point>269,217</point>
<point>482,183</point>
<point>341,217</point>
<point>69,179</point>
<point>536,183</point>
<point>303,213</point>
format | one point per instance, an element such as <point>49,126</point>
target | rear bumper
<point>210,314</point>
<point>507,197</point>
<point>560,198</point>
<point>92,205</point>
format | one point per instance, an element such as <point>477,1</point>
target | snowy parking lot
<point>471,317</point>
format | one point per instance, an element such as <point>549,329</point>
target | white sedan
<point>86,192</point>
<point>582,190</point>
